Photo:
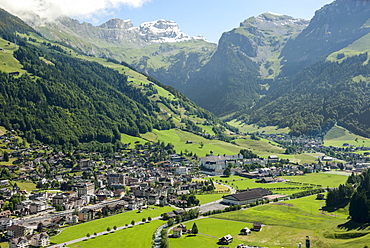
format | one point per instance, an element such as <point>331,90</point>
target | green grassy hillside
<point>337,136</point>
<point>7,61</point>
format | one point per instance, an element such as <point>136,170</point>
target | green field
<point>337,136</point>
<point>139,236</point>
<point>324,179</point>
<point>286,224</point>
<point>179,137</point>
<point>215,228</point>
<point>206,198</point>
<point>253,128</point>
<point>359,46</point>
<point>125,139</point>
<point>100,225</point>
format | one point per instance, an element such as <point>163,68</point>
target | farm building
<point>246,197</point>
<point>257,226</point>
<point>245,231</point>
<point>225,240</point>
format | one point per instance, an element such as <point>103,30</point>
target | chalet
<point>246,197</point>
<point>245,231</point>
<point>177,233</point>
<point>257,226</point>
<point>320,197</point>
<point>104,194</point>
<point>273,159</point>
<point>225,240</point>
<point>266,180</point>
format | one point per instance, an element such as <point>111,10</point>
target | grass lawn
<point>215,228</point>
<point>28,186</point>
<point>100,225</point>
<point>324,179</point>
<point>199,241</point>
<point>206,198</point>
<point>138,236</point>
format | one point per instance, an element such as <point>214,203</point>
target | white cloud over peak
<point>52,9</point>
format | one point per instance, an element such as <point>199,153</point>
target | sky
<point>209,18</point>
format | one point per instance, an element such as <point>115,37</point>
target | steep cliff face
<point>333,27</point>
<point>245,56</point>
<point>266,35</point>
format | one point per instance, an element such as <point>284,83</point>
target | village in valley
<point>82,186</point>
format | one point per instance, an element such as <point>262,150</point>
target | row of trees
<point>356,192</point>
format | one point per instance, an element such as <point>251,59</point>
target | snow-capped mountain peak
<point>162,31</point>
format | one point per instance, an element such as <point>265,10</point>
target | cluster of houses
<point>22,237</point>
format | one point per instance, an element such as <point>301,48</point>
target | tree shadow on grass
<point>335,207</point>
<point>191,235</point>
<point>352,225</point>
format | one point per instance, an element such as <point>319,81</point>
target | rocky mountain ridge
<point>115,31</point>
<point>334,26</point>
<point>232,80</point>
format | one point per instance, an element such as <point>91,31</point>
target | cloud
<point>52,9</point>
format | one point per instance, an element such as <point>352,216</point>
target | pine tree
<point>6,157</point>
<point>194,229</point>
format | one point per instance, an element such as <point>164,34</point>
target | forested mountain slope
<point>59,99</point>
<point>319,96</point>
